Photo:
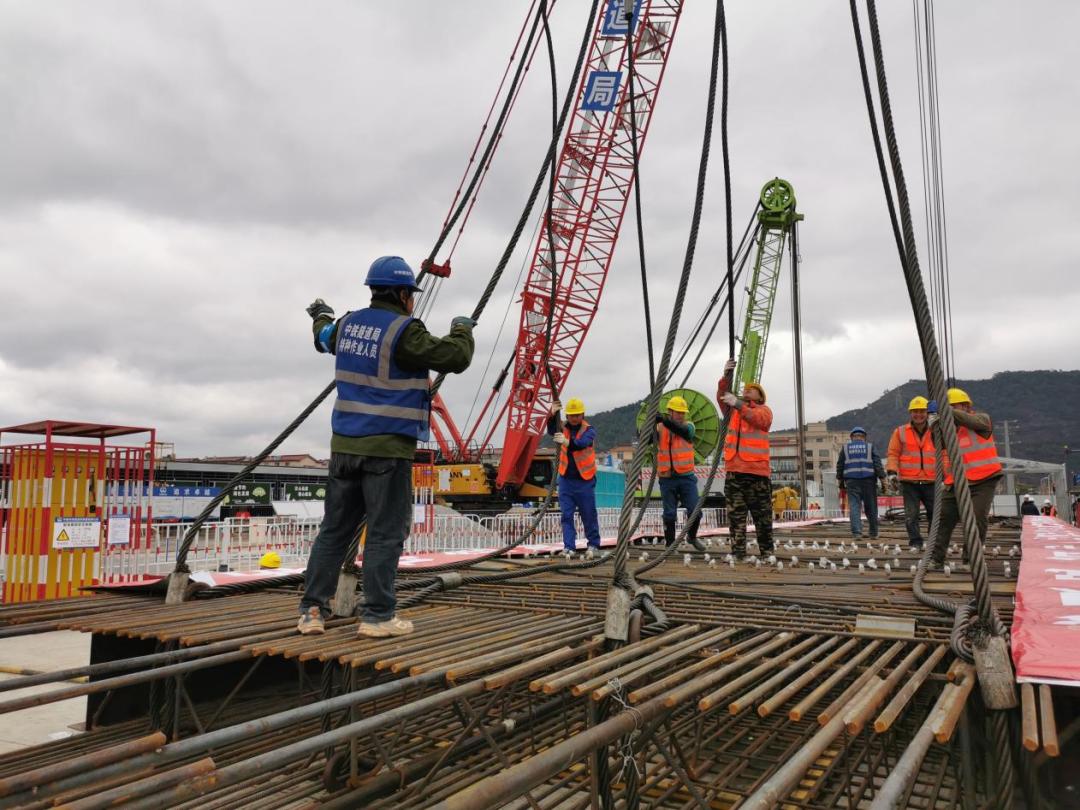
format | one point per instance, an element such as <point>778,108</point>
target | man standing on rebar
<point>975,435</point>
<point>857,469</point>
<point>577,473</point>
<point>748,482</point>
<point>674,439</point>
<point>910,463</point>
<point>383,407</point>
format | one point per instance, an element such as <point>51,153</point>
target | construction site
<point>755,651</point>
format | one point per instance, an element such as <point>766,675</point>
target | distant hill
<point>1044,407</point>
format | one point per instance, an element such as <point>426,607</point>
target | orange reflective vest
<point>979,455</point>
<point>585,459</point>
<point>916,454</point>
<point>673,453</point>
<point>746,449</point>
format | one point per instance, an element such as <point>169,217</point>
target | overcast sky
<point>178,180</point>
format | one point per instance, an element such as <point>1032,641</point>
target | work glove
<point>894,480</point>
<point>659,419</point>
<point>319,309</point>
<point>556,406</point>
<point>462,320</point>
<point>730,399</point>
<point>729,367</point>
<point>560,439</point>
<point>932,419</point>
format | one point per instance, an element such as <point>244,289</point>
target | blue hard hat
<point>857,429</point>
<point>391,271</point>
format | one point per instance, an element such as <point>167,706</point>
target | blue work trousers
<point>862,494</point>
<point>359,487</point>
<point>676,491</point>
<point>576,494</point>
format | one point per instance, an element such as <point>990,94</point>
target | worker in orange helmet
<point>910,465</point>
<point>982,468</point>
<point>748,483</point>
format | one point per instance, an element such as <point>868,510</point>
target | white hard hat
<point>1027,498</point>
<point>1047,501</point>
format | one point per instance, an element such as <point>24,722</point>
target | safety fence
<point>237,544</point>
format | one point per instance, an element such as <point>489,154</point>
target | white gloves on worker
<point>932,419</point>
<point>730,399</point>
<point>560,438</point>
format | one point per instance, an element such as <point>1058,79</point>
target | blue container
<point>610,486</point>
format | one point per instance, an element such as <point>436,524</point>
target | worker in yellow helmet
<point>576,441</point>
<point>910,466</point>
<point>748,482</point>
<point>674,439</point>
<point>982,468</point>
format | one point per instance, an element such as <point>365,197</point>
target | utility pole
<point>1010,479</point>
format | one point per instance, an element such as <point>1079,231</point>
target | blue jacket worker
<point>674,438</point>
<point>856,470</point>
<point>383,408</point>
<point>577,473</point>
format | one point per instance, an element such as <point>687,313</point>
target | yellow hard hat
<point>575,405</point>
<point>759,387</point>
<point>918,404</point>
<point>677,403</point>
<point>270,559</point>
<point>958,396</point>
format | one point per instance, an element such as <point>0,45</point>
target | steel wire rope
<point>719,44</point>
<point>620,577</point>
<point>647,495</point>
<point>191,534</point>
<point>635,181</point>
<point>549,160</point>
<point>988,618</point>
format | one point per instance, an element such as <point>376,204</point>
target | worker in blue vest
<point>577,473</point>
<point>383,408</point>
<point>857,470</point>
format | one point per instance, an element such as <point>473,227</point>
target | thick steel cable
<point>635,181</point>
<point>938,389</point>
<point>493,140</point>
<point>493,282</point>
<point>622,550</point>
<point>193,530</point>
<point>925,329</point>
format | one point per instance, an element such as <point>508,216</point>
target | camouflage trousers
<point>749,493</point>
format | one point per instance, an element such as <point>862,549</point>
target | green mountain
<point>1042,407</point>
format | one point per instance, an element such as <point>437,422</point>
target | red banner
<point>1046,624</point>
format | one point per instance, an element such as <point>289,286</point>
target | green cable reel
<point>703,413</point>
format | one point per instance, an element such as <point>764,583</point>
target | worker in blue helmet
<point>382,359</point>
<point>856,470</point>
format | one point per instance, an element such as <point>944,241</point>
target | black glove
<point>319,308</point>
<point>659,419</point>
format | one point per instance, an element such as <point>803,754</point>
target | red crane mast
<point>593,180</point>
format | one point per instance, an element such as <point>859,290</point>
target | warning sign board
<point>76,532</point>
<point>119,530</point>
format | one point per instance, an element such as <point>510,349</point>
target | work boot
<point>390,627</point>
<point>311,622</point>
<point>691,536</point>
<point>669,532</point>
